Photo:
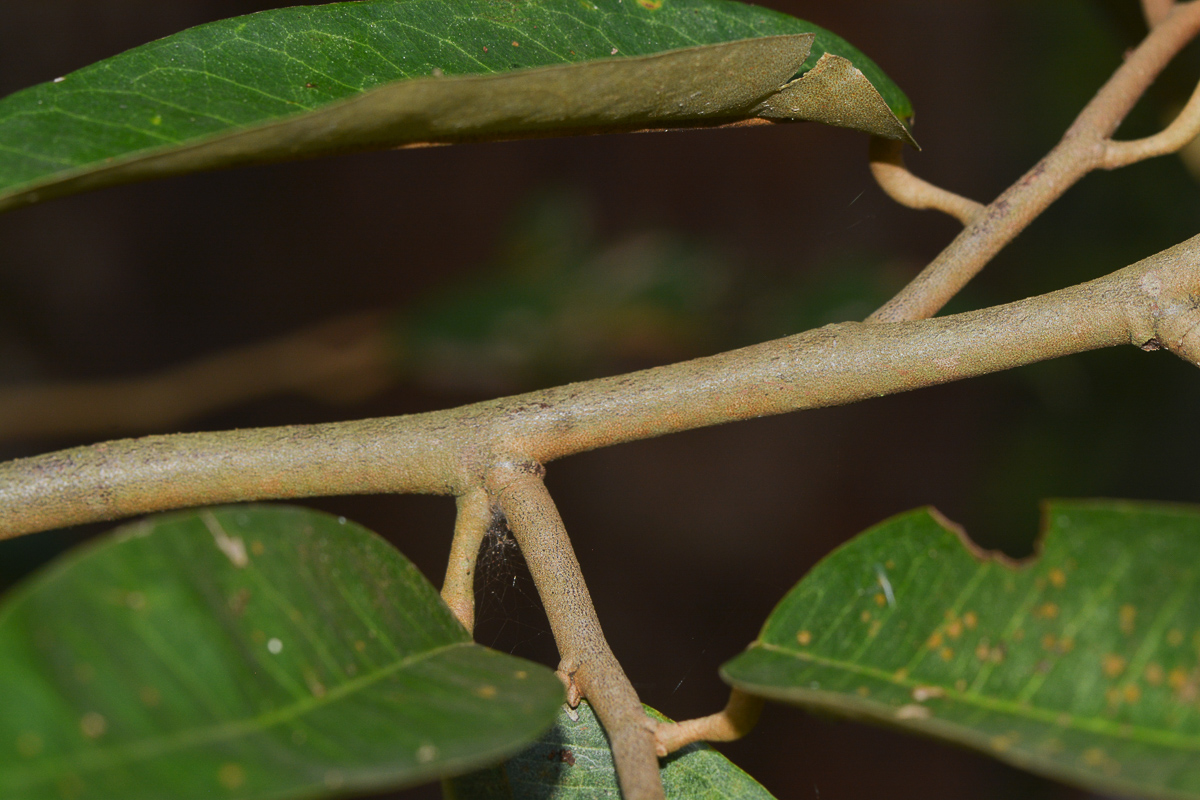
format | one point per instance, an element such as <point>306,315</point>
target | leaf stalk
<point>887,167</point>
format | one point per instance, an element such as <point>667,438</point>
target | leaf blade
<point>572,761</point>
<point>287,82</point>
<point>1063,666</point>
<point>248,668</point>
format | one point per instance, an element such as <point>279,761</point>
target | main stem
<point>450,452</point>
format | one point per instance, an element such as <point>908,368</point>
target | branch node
<point>1171,139</point>
<point>503,474</point>
<point>1180,333</point>
<point>566,673</point>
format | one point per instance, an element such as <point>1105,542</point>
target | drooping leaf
<point>572,761</point>
<point>247,652</point>
<point>1083,664</point>
<point>315,80</point>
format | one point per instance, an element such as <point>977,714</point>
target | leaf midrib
<point>105,757</point>
<point>1116,730</point>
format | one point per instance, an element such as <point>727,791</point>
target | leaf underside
<point>248,652</point>
<point>1083,664</point>
<point>572,761</point>
<point>316,80</point>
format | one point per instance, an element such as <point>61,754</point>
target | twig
<point>1182,130</point>
<point>450,452</point>
<point>470,526</point>
<point>588,664</point>
<point>342,360</point>
<point>1081,150</point>
<point>887,166</point>
<point>1156,11</point>
<point>738,718</point>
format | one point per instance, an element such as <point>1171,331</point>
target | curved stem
<point>470,526</point>
<point>887,167</point>
<point>587,661</point>
<point>1182,130</point>
<point>1081,150</point>
<point>449,452</point>
<point>738,718</point>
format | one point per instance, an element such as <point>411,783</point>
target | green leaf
<point>316,80</point>
<point>247,652</point>
<point>1083,664</point>
<point>572,761</point>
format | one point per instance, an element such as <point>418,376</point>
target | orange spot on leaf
<point>231,776</point>
<point>1126,617</point>
<point>1154,674</point>
<point>1047,611</point>
<point>1113,665</point>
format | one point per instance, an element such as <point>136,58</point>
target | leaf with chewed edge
<point>248,652</point>
<point>572,761</point>
<point>315,80</point>
<point>1082,664</point>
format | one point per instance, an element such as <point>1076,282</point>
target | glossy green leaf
<point>247,652</point>
<point>1083,664</point>
<point>572,761</point>
<point>314,80</point>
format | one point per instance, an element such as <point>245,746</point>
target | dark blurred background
<point>687,541</point>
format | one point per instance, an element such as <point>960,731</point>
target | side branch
<point>588,665</point>
<point>887,167</point>
<point>1151,304</point>
<point>1083,148</point>
<point>470,527</point>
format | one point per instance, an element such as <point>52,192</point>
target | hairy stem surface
<point>588,664</point>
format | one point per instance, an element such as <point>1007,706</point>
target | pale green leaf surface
<point>1083,664</point>
<point>247,652</point>
<point>572,761</point>
<point>315,80</point>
